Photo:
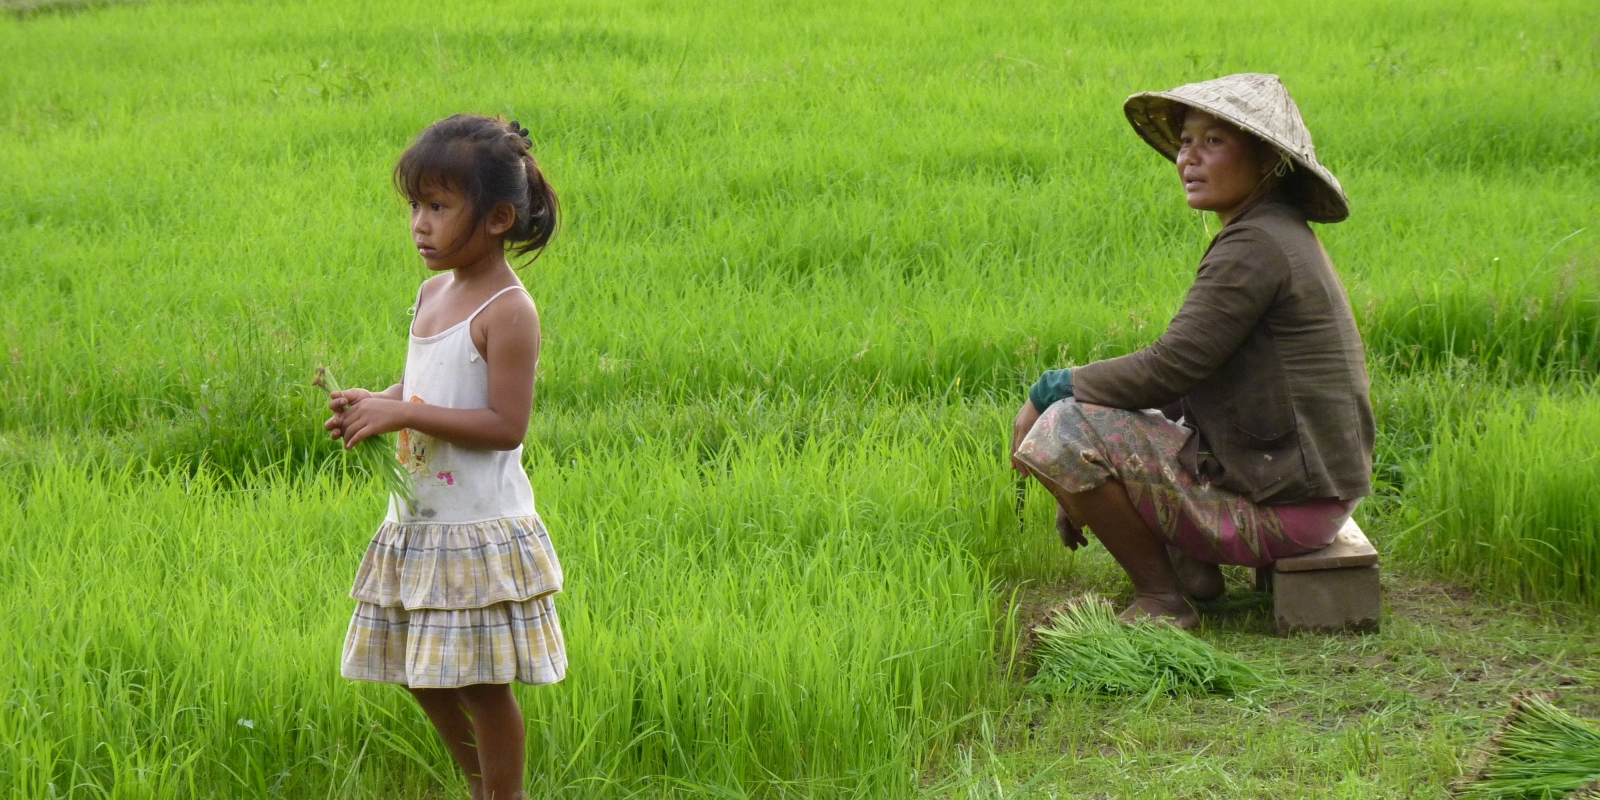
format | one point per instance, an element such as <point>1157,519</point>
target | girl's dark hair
<point>486,159</point>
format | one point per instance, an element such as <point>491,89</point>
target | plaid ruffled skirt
<point>449,605</point>
<point>1078,446</point>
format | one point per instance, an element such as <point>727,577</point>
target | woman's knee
<point>1086,503</point>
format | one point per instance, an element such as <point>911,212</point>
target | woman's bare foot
<point>1201,581</point>
<point>1171,610</point>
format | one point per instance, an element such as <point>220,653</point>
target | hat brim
<point>1153,116</point>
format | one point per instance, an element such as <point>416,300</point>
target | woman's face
<point>1221,166</point>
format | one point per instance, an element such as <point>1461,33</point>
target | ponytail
<point>536,215</point>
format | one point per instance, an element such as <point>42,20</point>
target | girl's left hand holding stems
<point>358,414</point>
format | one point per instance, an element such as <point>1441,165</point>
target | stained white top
<point>456,484</point>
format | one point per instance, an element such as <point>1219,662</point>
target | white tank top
<point>456,484</point>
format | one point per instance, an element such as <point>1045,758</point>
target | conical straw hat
<point>1256,103</point>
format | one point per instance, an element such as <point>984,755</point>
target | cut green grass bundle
<point>1539,753</point>
<point>374,455</point>
<point>1086,649</point>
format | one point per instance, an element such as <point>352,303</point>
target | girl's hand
<point>348,397</point>
<point>1026,418</point>
<point>372,416</point>
<point>337,403</point>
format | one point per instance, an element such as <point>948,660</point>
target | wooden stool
<point>1328,590</point>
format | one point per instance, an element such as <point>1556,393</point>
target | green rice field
<point>813,254</point>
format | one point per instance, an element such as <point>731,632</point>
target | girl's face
<point>1221,166</point>
<point>442,228</point>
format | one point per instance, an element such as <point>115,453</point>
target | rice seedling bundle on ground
<point>1539,753</point>
<point>1085,648</point>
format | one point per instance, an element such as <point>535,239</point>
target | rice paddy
<point>813,253</point>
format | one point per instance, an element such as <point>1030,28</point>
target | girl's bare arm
<point>507,332</point>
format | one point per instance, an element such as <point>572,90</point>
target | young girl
<point>455,593</point>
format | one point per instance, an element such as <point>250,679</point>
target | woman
<point>1263,445</point>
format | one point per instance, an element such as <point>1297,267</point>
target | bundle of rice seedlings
<point>1539,753</point>
<point>1086,649</point>
<point>374,455</point>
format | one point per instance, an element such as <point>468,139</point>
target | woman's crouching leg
<point>1201,580</point>
<point>1111,516</point>
<point>1069,453</point>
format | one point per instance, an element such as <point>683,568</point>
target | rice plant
<point>1085,648</point>
<point>1508,498</point>
<point>1539,753</point>
<point>727,239</point>
<point>814,253</point>
<point>374,455</point>
<point>767,617</point>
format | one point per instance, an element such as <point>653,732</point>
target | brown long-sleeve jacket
<point>1264,361</point>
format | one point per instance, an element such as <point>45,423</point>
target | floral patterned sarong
<point>1078,446</point>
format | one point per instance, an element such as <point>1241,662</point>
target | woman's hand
<point>1019,431</point>
<point>371,416</point>
<point>1071,532</point>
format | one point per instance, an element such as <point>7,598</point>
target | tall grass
<point>813,252</point>
<point>765,619</point>
<point>201,210</point>
<point>1509,498</point>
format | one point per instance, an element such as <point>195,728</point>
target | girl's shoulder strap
<point>494,297</point>
<point>416,305</point>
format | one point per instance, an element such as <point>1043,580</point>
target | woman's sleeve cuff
<point>1053,385</point>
